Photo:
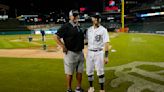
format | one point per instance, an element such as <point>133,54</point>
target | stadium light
<point>152,14</point>
<point>161,13</point>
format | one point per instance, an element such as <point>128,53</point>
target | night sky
<point>44,6</point>
<point>47,6</point>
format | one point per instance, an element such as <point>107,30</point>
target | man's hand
<point>65,49</point>
<point>106,60</point>
<point>60,43</point>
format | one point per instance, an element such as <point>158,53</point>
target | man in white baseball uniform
<point>98,42</point>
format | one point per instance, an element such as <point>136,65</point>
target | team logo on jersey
<point>98,38</point>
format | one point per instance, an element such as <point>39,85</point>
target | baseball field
<point>136,64</point>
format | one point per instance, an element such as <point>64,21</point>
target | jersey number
<point>98,38</point>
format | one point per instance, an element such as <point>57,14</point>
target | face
<point>74,18</point>
<point>95,20</point>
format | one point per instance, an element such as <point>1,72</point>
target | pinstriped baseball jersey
<point>97,37</point>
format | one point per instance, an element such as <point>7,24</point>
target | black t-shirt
<point>73,37</point>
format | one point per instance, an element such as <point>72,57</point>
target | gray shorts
<point>73,61</point>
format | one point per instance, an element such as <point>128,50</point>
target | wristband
<point>106,53</point>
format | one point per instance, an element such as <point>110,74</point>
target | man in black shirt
<point>73,45</point>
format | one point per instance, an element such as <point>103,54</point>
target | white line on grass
<point>139,84</point>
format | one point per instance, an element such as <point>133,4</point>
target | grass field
<point>47,75</point>
<point>21,41</point>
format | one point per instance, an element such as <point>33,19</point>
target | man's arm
<point>60,43</point>
<point>86,37</point>
<point>106,52</point>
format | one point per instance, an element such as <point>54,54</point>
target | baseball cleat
<point>79,90</point>
<point>69,90</point>
<point>91,89</point>
<point>102,90</point>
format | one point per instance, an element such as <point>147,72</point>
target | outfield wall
<point>15,32</point>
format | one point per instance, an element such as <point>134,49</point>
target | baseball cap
<point>74,13</point>
<point>96,15</point>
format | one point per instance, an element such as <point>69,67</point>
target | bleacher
<point>111,26</point>
<point>11,24</point>
<point>146,27</point>
<point>148,5</point>
<point>85,25</point>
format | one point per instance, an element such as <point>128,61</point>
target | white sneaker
<point>102,90</point>
<point>79,90</point>
<point>91,89</point>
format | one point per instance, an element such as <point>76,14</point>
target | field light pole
<point>122,14</point>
